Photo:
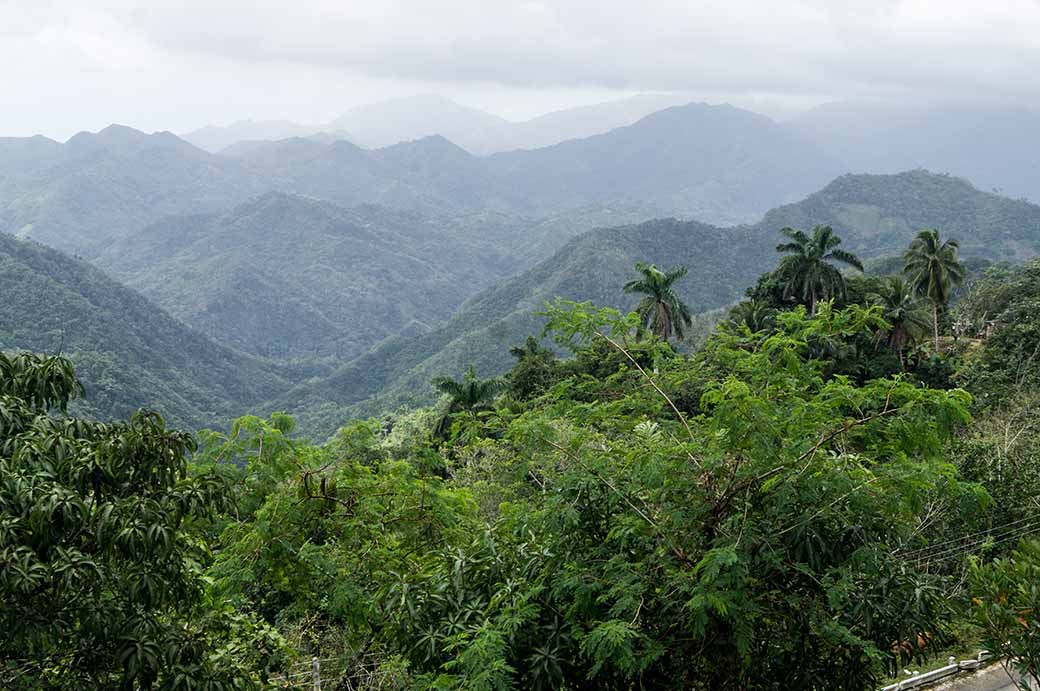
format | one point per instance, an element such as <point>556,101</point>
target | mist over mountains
<point>389,122</point>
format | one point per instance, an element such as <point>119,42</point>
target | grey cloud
<point>216,53</point>
<point>797,46</point>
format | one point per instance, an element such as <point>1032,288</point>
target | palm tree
<point>808,270</point>
<point>903,312</point>
<point>754,314</point>
<point>933,270</point>
<point>469,395</point>
<point>661,310</point>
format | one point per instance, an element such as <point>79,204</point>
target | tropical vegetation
<point>661,310</point>
<point>934,270</point>
<point>808,271</point>
<point>811,498</point>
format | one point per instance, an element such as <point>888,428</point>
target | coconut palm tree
<point>903,311</point>
<point>661,310</point>
<point>933,269</point>
<point>469,395</point>
<point>808,271</point>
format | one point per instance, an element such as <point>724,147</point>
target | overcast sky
<point>70,65</point>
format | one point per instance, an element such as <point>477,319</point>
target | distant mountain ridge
<point>390,122</point>
<point>991,145</point>
<point>716,163</point>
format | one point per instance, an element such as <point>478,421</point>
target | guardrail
<point>954,667</point>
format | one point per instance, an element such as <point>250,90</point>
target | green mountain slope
<point>718,164</point>
<point>876,216</point>
<point>129,352</point>
<point>286,277</point>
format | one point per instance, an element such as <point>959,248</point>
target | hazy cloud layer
<point>69,65</point>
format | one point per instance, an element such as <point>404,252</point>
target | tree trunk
<point>935,324</point>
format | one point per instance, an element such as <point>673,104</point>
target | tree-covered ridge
<point>128,352</point>
<point>285,276</point>
<point>261,302</point>
<point>876,217</point>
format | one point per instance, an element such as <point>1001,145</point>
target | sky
<point>72,65</point>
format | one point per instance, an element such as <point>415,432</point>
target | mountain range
<point>317,276</point>
<point>220,272</point>
<point>715,163</point>
<point>990,145</point>
<point>390,122</point>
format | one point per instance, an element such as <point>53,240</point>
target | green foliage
<point>662,310</point>
<point>807,272</point>
<point>607,534</point>
<point>466,400</point>
<point>1006,599</point>
<point>1003,307</point>
<point>907,319</point>
<point>101,550</point>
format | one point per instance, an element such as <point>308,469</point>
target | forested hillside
<point>816,476</point>
<point>876,216</point>
<point>285,276</point>
<point>300,279</point>
<point>128,352</point>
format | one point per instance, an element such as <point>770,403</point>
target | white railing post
<point>316,673</point>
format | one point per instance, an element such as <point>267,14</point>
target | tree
<point>808,272</point>
<point>1006,596</point>
<point>753,314</point>
<point>471,395</point>
<point>661,310</point>
<point>748,547</point>
<point>900,308</point>
<point>933,270</point>
<point>100,550</point>
<point>534,371</point>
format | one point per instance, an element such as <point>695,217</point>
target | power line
<point>956,552</point>
<point>972,537</point>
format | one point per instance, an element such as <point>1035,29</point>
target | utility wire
<point>972,537</point>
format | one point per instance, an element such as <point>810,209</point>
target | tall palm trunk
<point>935,324</point>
